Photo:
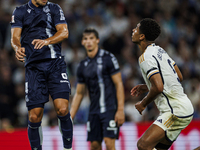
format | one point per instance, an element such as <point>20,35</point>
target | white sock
<point>67,149</point>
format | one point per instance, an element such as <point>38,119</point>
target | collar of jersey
<point>32,6</point>
<point>95,55</point>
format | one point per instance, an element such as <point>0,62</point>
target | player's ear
<point>98,41</point>
<point>82,42</point>
<point>142,37</point>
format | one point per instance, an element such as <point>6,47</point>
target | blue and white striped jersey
<point>96,74</point>
<point>38,23</point>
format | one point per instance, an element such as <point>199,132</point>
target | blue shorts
<point>102,125</point>
<point>44,78</point>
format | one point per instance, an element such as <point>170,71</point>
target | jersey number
<point>169,62</point>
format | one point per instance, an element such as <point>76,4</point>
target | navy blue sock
<point>66,129</point>
<point>35,135</point>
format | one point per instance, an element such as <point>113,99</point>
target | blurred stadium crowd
<point>114,20</point>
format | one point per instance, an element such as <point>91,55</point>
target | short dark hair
<point>150,28</point>
<point>91,30</point>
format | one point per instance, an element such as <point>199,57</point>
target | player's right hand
<point>20,54</point>
<point>139,89</point>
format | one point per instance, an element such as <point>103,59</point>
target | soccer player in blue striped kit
<point>37,30</point>
<point>100,73</point>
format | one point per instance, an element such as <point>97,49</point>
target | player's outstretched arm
<point>156,88</point>
<point>61,34</point>
<point>139,89</point>
<point>80,91</point>
<point>119,116</point>
<point>16,45</point>
<point>180,76</point>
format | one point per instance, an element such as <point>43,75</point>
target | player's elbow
<point>159,89</point>
<point>65,34</point>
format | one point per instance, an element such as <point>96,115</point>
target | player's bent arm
<point>15,38</point>
<point>156,88</point>
<point>117,80</point>
<point>180,76</point>
<point>80,91</point>
<point>61,34</point>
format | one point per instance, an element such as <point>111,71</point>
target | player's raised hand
<point>139,89</point>
<point>20,54</point>
<point>140,107</point>
<point>119,117</point>
<point>40,43</point>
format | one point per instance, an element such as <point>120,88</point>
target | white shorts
<point>172,125</point>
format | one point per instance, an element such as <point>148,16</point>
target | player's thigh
<point>58,82</point>
<point>110,143</point>
<point>36,91</point>
<point>152,136</point>
<point>35,115</point>
<point>94,128</point>
<point>95,145</point>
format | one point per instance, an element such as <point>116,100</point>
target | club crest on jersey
<point>13,19</point>
<point>46,9</point>
<point>29,11</point>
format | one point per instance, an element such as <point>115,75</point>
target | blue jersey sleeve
<point>59,17</point>
<point>17,18</point>
<point>80,77</point>
<point>112,64</point>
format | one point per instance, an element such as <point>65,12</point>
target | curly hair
<point>91,30</point>
<point>150,28</point>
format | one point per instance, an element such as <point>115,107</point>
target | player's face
<point>89,41</point>
<point>41,2</point>
<point>136,34</point>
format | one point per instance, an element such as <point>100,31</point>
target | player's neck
<point>34,3</point>
<point>92,54</point>
<point>143,46</point>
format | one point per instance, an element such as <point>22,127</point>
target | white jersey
<point>173,99</point>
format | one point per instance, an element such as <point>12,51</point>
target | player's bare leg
<point>35,115</point>
<point>152,136</point>
<point>64,121</point>
<point>34,128</point>
<point>95,145</point>
<point>110,143</point>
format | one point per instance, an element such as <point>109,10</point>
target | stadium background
<point>114,20</point>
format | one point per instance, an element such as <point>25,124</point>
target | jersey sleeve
<point>79,74</point>
<point>59,17</point>
<point>17,18</point>
<point>150,67</point>
<point>112,64</point>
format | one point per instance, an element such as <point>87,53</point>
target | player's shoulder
<point>53,5</point>
<point>21,8</point>
<point>106,54</point>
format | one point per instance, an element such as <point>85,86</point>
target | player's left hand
<point>119,117</point>
<point>40,43</point>
<point>140,107</point>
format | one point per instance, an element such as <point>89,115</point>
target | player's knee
<point>34,118</point>
<point>142,145</point>
<point>95,146</point>
<point>62,111</point>
<point>109,145</point>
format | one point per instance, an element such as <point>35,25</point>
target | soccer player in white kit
<point>162,77</point>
